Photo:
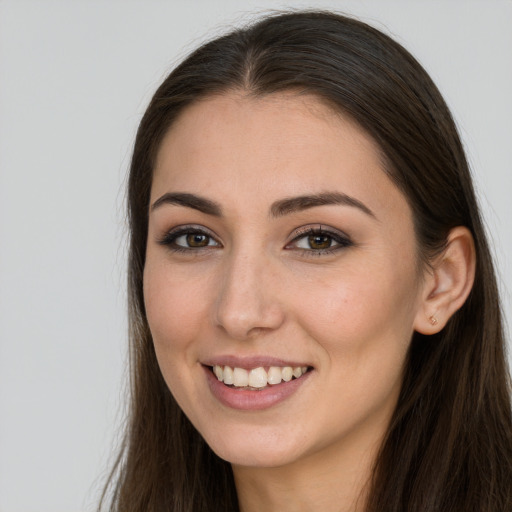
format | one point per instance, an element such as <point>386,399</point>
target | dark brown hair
<point>449,444</point>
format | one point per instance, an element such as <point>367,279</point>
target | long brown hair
<point>449,444</point>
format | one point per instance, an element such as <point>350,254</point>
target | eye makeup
<point>319,240</point>
<point>312,240</point>
<point>189,238</point>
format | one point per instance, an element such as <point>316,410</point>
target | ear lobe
<point>448,284</point>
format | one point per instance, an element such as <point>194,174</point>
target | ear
<point>448,283</point>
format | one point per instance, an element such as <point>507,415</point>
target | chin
<point>255,451</point>
<point>255,458</point>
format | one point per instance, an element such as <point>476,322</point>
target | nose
<point>248,303</point>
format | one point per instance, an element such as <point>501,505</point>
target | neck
<point>334,479</point>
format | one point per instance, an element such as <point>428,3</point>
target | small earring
<point>433,320</point>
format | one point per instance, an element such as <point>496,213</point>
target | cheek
<point>355,310</point>
<point>174,307</point>
<point>363,324</point>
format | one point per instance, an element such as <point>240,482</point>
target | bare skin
<point>245,265</point>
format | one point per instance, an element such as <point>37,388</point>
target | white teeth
<point>241,377</point>
<point>274,375</point>
<point>287,373</point>
<point>219,372</point>
<point>228,375</point>
<point>257,377</point>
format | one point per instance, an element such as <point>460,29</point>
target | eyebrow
<point>189,201</point>
<point>278,209</point>
<point>295,204</point>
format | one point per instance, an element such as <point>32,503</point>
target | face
<point>281,280</point>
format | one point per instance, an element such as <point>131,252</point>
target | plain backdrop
<point>75,77</point>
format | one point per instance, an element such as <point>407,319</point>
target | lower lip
<point>251,400</point>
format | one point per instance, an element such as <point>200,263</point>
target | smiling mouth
<point>259,378</point>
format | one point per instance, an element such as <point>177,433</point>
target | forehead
<point>273,146</point>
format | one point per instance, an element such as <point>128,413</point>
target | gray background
<point>75,77</point>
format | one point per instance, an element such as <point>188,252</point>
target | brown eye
<point>189,238</point>
<point>197,240</point>
<point>320,242</point>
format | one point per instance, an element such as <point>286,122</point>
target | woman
<point>315,322</point>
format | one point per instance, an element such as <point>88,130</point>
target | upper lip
<point>249,362</point>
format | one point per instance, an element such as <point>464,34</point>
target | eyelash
<point>169,239</point>
<point>342,241</point>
